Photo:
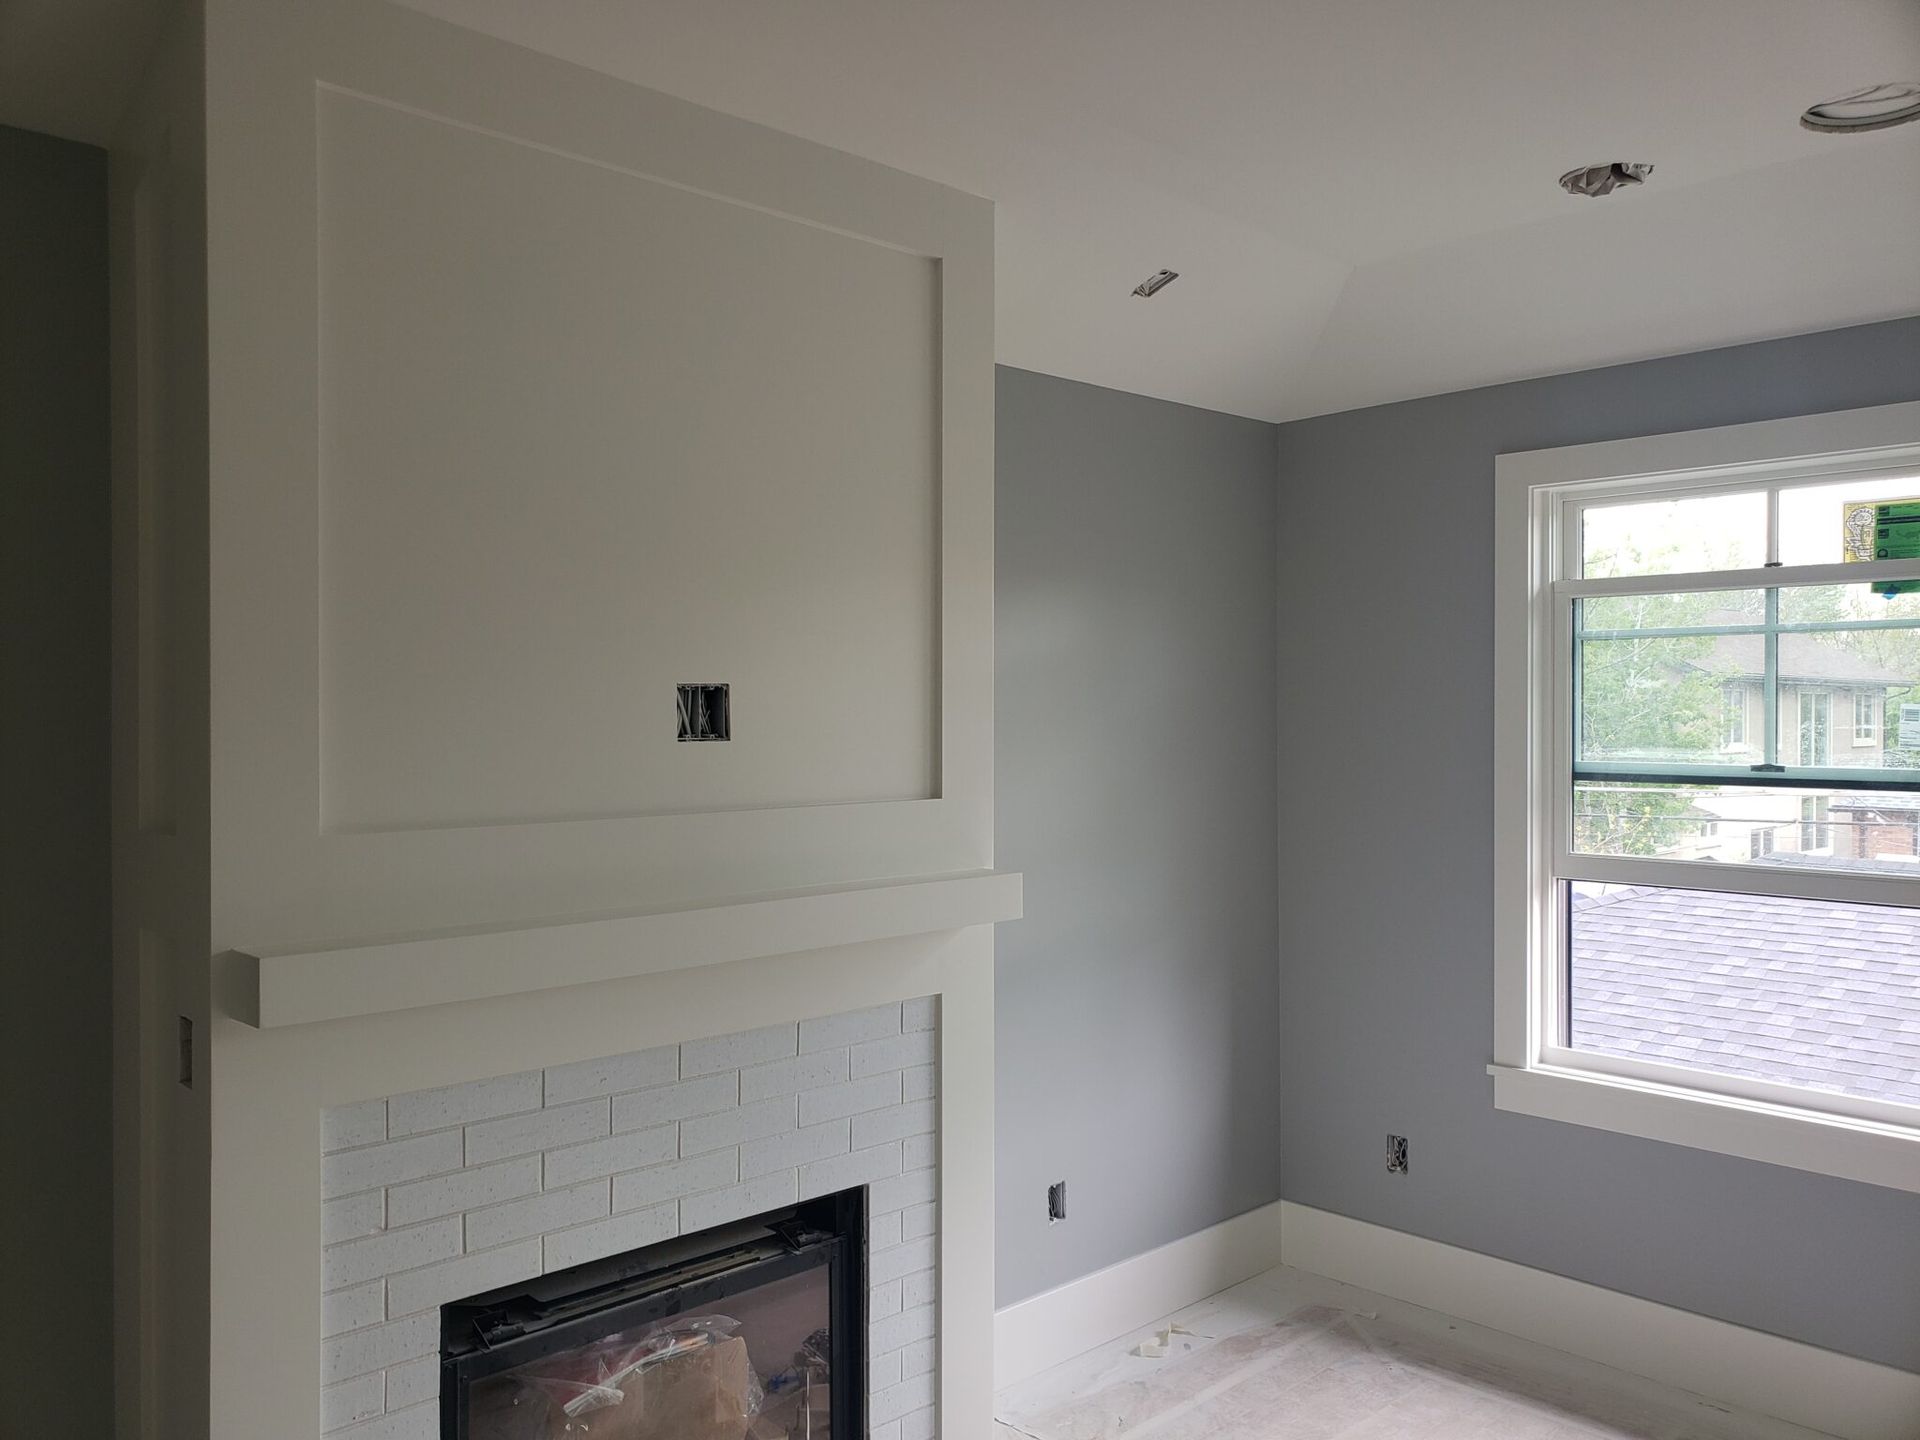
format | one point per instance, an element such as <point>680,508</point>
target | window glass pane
<point>1707,608</point>
<point>1669,537</point>
<point>1743,825</point>
<point>1814,993</point>
<point>1843,695</point>
<point>1812,604</point>
<point>1670,699</point>
<point>1824,524</point>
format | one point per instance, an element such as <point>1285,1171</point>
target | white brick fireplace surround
<point>438,1194</point>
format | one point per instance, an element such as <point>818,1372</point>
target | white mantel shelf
<point>301,985</point>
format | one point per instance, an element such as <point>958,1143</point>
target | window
<point>1815,833</point>
<point>1736,712</point>
<point>1816,713</point>
<point>1682,621</point>
<point>1866,717</point>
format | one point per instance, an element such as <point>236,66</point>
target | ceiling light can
<point>1875,107</point>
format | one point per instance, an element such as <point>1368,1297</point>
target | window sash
<point>1554,672</point>
<point>1779,765</point>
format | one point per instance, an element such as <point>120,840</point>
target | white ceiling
<point>1359,194</point>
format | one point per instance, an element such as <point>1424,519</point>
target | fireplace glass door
<point>750,1332</point>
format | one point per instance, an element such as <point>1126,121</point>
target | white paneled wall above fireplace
<point>536,397</point>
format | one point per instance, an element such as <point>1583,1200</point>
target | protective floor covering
<point>1323,1372</point>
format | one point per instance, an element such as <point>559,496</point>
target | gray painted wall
<point>54,938</point>
<point>1135,781</point>
<point>1386,935</point>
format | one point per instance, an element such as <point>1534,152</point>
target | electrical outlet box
<point>1396,1154</point>
<point>1056,1202</point>
<point>705,712</point>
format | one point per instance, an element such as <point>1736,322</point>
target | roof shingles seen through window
<point>1805,992</point>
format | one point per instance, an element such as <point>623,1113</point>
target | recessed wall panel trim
<point>535,395</point>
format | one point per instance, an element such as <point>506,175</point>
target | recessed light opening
<point>1595,180</point>
<point>1874,108</point>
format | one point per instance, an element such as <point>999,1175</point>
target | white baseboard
<point>1838,1394</point>
<point>1037,1334</point>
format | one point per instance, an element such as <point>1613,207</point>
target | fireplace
<point>754,1330</point>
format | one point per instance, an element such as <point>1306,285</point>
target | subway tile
<point>463,1190</point>
<point>901,1329</point>
<point>883,1371</point>
<point>921,1014</point>
<point>351,1171</point>
<point>352,1401</point>
<point>883,1231</point>
<point>898,1053</point>
<point>639,1148</point>
<point>834,1101</point>
<point>902,1260</point>
<point>918,1358</point>
<point>883,1301</point>
<point>639,1070</point>
<point>897,1401</point>
<point>375,1347</point>
<point>537,1214</point>
<point>838,1031</point>
<point>922,1287</point>
<point>421,1422</point>
<point>451,1105</point>
<point>919,1152</point>
<point>602,1238</point>
<point>896,1122</point>
<point>413,1383</point>
<point>921,1424</point>
<point>388,1253</point>
<point>921,1082</point>
<point>733,1052</point>
<point>352,1216</point>
<point>733,1127</point>
<point>675,1181</point>
<point>794,1148</point>
<point>434,1285</point>
<point>645,1108</point>
<point>542,1130</point>
<point>919,1220</point>
<point>702,1212</point>
<point>899,1192</point>
<point>785,1077</point>
<point>349,1309</point>
<point>843,1172</point>
<point>343,1126</point>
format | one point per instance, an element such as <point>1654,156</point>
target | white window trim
<point>1531,1077</point>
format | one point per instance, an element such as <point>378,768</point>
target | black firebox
<point>751,1331</point>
